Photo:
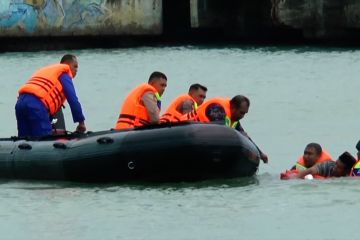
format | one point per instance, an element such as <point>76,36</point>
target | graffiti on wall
<point>36,15</point>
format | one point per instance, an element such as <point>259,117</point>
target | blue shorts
<point>32,117</point>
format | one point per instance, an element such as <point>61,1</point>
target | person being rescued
<point>224,111</point>
<point>142,105</point>
<point>313,154</point>
<point>355,171</point>
<point>184,104</point>
<point>339,168</point>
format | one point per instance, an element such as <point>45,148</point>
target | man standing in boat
<point>226,111</point>
<point>44,94</point>
<point>185,103</point>
<point>142,105</point>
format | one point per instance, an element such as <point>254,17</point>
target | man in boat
<point>142,105</point>
<point>339,168</point>
<point>224,111</point>
<point>44,94</point>
<point>185,103</point>
<point>313,154</point>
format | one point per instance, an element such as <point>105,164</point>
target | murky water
<point>298,95</point>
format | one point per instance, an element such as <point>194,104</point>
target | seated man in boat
<point>225,111</point>
<point>313,154</point>
<point>43,95</point>
<point>340,168</point>
<point>142,105</point>
<point>185,103</point>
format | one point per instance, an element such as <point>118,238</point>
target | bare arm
<point>185,107</point>
<point>313,171</point>
<point>150,103</point>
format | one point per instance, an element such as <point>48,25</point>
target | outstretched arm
<point>313,171</point>
<point>263,156</point>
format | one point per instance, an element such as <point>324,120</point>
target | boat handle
<point>60,145</point>
<point>105,140</point>
<point>24,146</point>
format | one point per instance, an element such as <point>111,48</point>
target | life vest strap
<point>127,122</point>
<point>132,119</point>
<point>128,116</point>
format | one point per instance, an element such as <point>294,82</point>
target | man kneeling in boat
<point>313,154</point>
<point>43,95</point>
<point>226,111</point>
<point>340,168</point>
<point>185,103</point>
<point>142,105</point>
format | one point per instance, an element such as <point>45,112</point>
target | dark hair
<point>196,86</point>
<point>156,75</point>
<point>67,58</point>
<point>358,146</point>
<point>347,159</point>
<point>316,146</point>
<point>238,99</point>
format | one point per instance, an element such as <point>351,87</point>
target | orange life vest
<point>133,113</point>
<point>288,173</point>
<point>45,85</point>
<point>172,114</point>
<point>300,165</point>
<point>199,114</point>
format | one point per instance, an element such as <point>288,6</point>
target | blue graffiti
<point>68,15</point>
<point>20,14</point>
<point>54,13</point>
<point>82,15</point>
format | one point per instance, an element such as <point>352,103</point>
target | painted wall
<point>80,17</point>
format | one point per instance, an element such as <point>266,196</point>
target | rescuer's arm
<point>70,94</point>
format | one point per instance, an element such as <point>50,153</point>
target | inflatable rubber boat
<point>183,152</point>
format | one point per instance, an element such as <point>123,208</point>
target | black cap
<point>358,146</point>
<point>347,159</point>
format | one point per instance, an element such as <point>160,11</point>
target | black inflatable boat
<point>186,152</point>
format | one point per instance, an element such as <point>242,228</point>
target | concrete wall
<point>208,13</point>
<point>319,19</point>
<point>279,19</point>
<point>236,18</point>
<point>80,17</point>
<point>180,19</point>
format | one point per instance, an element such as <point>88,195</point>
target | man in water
<point>355,171</point>
<point>339,168</point>
<point>313,154</point>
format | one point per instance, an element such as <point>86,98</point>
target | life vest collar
<point>228,122</point>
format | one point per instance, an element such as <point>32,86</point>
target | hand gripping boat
<point>183,152</point>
